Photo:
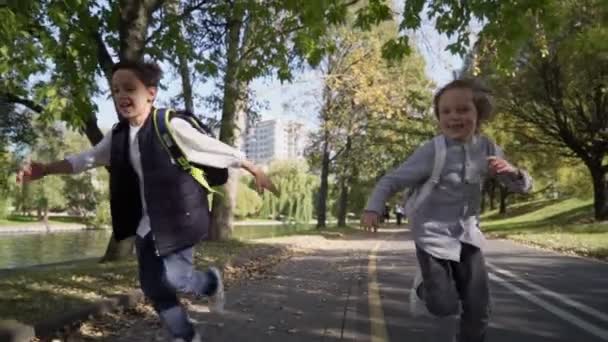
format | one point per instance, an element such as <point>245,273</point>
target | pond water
<point>22,250</point>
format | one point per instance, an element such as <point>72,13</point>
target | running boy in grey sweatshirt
<point>446,224</point>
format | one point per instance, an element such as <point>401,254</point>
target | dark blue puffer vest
<point>176,203</point>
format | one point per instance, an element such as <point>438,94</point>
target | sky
<point>299,100</point>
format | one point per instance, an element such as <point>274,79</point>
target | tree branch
<point>154,5</point>
<point>90,129</point>
<point>600,100</point>
<point>103,56</point>
<point>187,12</point>
<point>252,48</point>
<point>12,98</point>
<point>586,122</point>
<point>332,159</point>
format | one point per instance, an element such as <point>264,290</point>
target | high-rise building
<point>297,139</point>
<point>275,139</point>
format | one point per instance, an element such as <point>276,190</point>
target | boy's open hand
<point>498,165</point>
<point>30,171</point>
<point>262,181</point>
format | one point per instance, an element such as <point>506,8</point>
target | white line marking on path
<point>588,327</point>
<point>573,303</point>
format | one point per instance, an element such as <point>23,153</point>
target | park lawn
<point>20,220</point>
<point>33,295</point>
<point>332,231</point>
<point>30,296</point>
<point>565,226</point>
<point>257,220</point>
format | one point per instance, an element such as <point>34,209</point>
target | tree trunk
<point>343,202</point>
<point>92,131</point>
<point>599,191</point>
<point>344,185</point>
<point>223,206</point>
<point>45,219</point>
<point>484,192</point>
<point>24,197</point>
<point>184,71</point>
<point>183,68</point>
<point>324,187</point>
<point>133,30</point>
<point>492,194</point>
<point>503,200</point>
<point>118,250</point>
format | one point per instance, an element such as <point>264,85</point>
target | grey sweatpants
<point>448,284</point>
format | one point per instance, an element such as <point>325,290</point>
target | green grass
<point>243,232</point>
<point>566,226</point>
<point>330,232</point>
<point>264,232</point>
<point>31,296</point>
<point>21,220</point>
<point>257,220</point>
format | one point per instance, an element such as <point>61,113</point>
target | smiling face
<point>457,114</point>
<point>133,99</point>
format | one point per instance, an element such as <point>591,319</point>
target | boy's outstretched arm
<point>413,171</point>
<point>514,179</point>
<point>262,181</point>
<point>32,170</point>
<point>97,156</point>
<point>205,150</point>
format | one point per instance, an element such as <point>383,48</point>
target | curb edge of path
<point>358,293</point>
<point>14,331</point>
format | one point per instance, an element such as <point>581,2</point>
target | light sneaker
<point>197,338</point>
<point>446,328</point>
<point>417,304</point>
<point>218,299</point>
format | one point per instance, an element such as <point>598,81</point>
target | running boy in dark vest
<point>153,198</point>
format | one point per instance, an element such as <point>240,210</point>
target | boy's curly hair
<point>149,73</point>
<point>482,97</point>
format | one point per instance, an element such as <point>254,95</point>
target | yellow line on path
<point>376,314</point>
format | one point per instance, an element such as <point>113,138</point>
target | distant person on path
<point>452,276</point>
<point>155,199</point>
<point>387,213</point>
<point>398,213</point>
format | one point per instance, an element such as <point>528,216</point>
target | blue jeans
<point>161,278</point>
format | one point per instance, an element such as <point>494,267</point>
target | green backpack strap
<point>164,131</point>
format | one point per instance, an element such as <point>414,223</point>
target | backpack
<point>415,196</point>
<point>206,176</point>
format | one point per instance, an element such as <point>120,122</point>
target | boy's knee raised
<point>177,280</point>
<point>442,307</point>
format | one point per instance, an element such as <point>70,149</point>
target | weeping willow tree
<point>296,186</point>
<point>248,202</point>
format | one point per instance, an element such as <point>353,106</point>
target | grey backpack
<point>417,195</point>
